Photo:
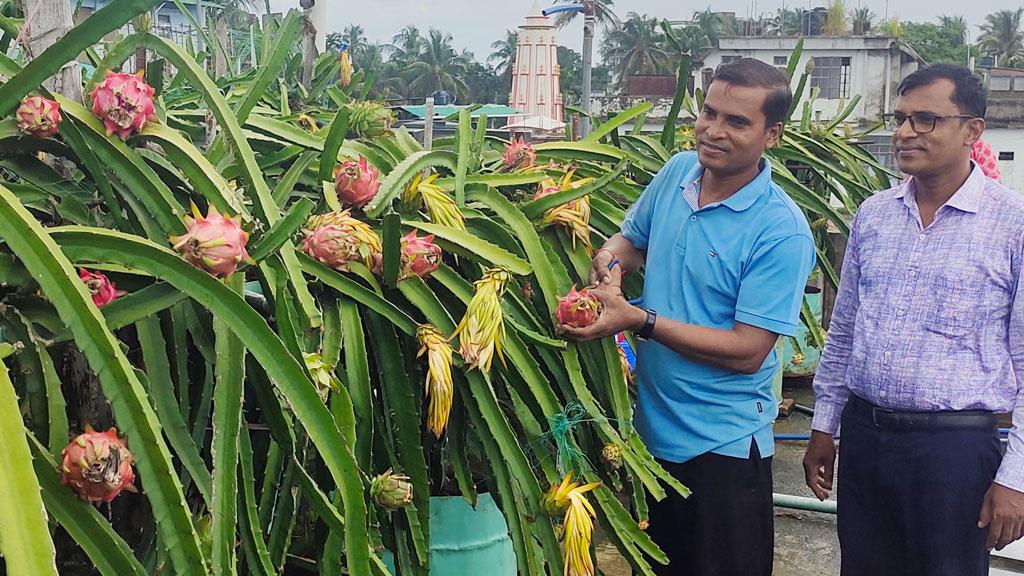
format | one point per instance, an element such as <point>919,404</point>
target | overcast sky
<point>476,23</point>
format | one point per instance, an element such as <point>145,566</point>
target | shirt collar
<point>966,199</point>
<point>744,197</point>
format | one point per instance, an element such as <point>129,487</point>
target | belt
<point>904,420</point>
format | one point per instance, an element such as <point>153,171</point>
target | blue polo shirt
<point>745,259</point>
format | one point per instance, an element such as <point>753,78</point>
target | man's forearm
<point>629,257</point>
<point>742,349</point>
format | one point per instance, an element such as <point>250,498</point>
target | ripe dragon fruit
<point>38,116</point>
<point>215,244</point>
<point>420,256</point>
<point>97,466</point>
<point>356,182</point>
<point>519,155</point>
<point>578,309</point>
<point>336,239</point>
<point>124,102</point>
<point>102,289</point>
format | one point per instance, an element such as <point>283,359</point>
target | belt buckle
<point>876,410</point>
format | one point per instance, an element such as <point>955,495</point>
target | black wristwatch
<point>647,330</point>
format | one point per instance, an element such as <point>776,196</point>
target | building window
<point>163,20</point>
<point>727,59</point>
<point>781,61</point>
<point>1018,84</point>
<point>880,147</point>
<point>999,83</point>
<point>1006,156</point>
<point>831,75</point>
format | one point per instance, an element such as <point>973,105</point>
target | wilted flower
<point>439,376</point>
<point>483,327</point>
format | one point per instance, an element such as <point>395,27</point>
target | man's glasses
<point>920,122</point>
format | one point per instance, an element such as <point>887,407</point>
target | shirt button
<point>901,311</point>
<point>882,394</point>
<point>913,272</point>
<point>693,218</point>
<point>921,237</point>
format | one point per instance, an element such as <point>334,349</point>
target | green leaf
<point>285,40</point>
<point>227,418</point>
<point>56,276</point>
<point>84,35</point>
<point>621,118</point>
<point>476,247</point>
<point>668,133</point>
<point>249,524</point>
<point>399,178</point>
<point>24,538</point>
<point>284,370</point>
<point>282,230</point>
<point>357,292</point>
<point>335,137</point>
<point>133,307</point>
<point>392,248</point>
<point>465,139</point>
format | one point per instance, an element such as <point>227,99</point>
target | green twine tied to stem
<point>568,455</point>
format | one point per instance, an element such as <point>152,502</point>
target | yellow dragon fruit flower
<point>440,205</point>
<point>483,327</point>
<point>577,524</point>
<point>573,215</point>
<point>439,376</point>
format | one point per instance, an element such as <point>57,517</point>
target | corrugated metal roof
<point>491,110</point>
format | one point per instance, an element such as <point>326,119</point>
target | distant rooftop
<point>491,110</point>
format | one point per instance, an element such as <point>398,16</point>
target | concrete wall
<point>1009,140</point>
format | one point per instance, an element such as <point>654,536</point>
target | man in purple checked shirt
<point>926,345</point>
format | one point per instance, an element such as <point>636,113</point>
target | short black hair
<point>753,73</point>
<point>970,95</point>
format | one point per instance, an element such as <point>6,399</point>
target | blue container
<point>466,542</point>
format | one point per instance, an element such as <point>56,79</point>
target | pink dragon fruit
<point>578,309</point>
<point>518,155</point>
<point>215,244</point>
<point>38,116</point>
<point>356,182</point>
<point>420,256</point>
<point>102,289</point>
<point>97,466</point>
<point>336,239</point>
<point>124,102</point>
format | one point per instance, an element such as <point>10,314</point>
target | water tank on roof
<point>813,22</point>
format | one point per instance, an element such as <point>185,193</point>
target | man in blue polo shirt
<point>726,256</point>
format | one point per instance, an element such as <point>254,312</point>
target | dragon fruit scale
<point>518,154</point>
<point>215,244</point>
<point>356,182</point>
<point>420,256</point>
<point>38,116</point>
<point>124,102</point>
<point>578,309</point>
<point>97,466</point>
<point>102,289</point>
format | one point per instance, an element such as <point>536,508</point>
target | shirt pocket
<point>958,305</point>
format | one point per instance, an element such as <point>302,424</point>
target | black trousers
<point>909,500</point>
<point>726,526</point>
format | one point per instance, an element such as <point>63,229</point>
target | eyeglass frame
<point>889,117</point>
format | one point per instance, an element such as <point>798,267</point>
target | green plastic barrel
<point>464,541</point>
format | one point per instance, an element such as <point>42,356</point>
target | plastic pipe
<point>802,503</point>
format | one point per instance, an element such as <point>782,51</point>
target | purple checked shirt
<point>929,319</point>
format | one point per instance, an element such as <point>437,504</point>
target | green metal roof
<point>491,110</point>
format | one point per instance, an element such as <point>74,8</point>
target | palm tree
<point>957,26</point>
<point>406,45</point>
<point>354,35</point>
<point>603,11</point>
<point>861,20</point>
<point>1002,35</point>
<point>335,40</point>
<point>504,55</point>
<point>438,67</point>
<point>714,25</point>
<point>835,19</point>
<point>636,46</point>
